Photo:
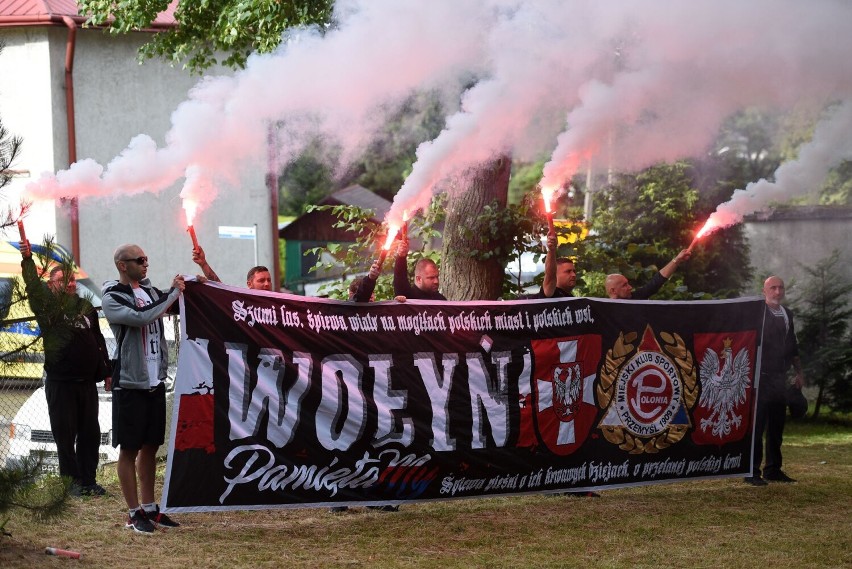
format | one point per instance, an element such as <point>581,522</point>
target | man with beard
<point>426,276</point>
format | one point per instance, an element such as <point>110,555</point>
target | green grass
<point>712,524</point>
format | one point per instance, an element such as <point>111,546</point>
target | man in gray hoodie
<point>134,310</point>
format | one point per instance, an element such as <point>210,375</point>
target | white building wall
<point>26,100</point>
<point>115,99</point>
<point>785,247</point>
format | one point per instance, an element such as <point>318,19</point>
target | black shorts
<point>138,417</point>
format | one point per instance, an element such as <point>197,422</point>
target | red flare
<point>190,207</point>
<point>392,231</point>
<point>546,197</point>
<point>21,231</point>
<point>707,228</point>
<point>191,231</point>
<point>62,552</point>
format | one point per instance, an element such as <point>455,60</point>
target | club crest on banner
<point>647,391</point>
<point>562,394</point>
<point>726,370</point>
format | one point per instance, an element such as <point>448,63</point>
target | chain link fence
<point>24,421</point>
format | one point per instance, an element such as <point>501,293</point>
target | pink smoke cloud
<point>615,84</point>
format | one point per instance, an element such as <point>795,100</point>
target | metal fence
<point>24,421</point>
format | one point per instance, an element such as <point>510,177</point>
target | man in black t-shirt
<point>560,275</point>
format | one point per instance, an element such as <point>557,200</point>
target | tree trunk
<point>464,277</point>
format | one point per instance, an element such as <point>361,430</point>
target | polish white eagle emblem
<point>567,383</point>
<point>724,381</point>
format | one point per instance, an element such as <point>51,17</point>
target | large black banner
<point>286,401</point>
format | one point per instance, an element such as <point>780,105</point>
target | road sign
<point>233,232</point>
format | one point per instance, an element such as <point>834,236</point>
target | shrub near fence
<point>24,420</point>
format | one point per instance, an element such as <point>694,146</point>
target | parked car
<point>29,432</point>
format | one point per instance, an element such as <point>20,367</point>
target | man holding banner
<point>560,275</point>
<point>258,278</point>
<point>134,310</point>
<point>426,275</point>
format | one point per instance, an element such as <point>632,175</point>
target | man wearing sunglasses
<point>134,310</point>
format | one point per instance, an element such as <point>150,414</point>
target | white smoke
<point>339,83</point>
<point>618,84</point>
<point>830,144</point>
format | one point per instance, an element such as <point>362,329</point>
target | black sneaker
<point>385,508</point>
<point>778,477</point>
<point>162,520</point>
<point>755,481</point>
<point>92,490</point>
<point>139,522</point>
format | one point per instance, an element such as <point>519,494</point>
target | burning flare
<point>546,197</point>
<point>709,227</point>
<point>190,207</point>
<point>547,194</point>
<point>393,229</point>
<point>21,232</point>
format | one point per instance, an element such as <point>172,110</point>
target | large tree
<point>206,29</point>
<point>472,260</point>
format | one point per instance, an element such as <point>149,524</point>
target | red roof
<point>31,11</point>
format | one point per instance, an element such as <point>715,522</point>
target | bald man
<point>618,287</point>
<point>779,351</point>
<point>134,310</point>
